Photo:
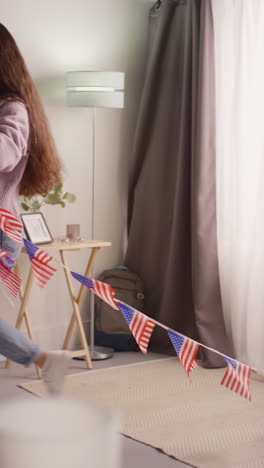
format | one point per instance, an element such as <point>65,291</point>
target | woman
<point>29,165</point>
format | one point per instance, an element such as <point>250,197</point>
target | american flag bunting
<point>40,263</point>
<point>140,325</point>
<point>103,290</point>
<point>237,377</point>
<point>11,225</point>
<point>10,279</point>
<point>186,350</point>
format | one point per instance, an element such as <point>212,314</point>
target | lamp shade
<point>95,89</point>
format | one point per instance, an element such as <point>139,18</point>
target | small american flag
<point>10,279</point>
<point>6,260</point>
<point>237,377</point>
<point>103,290</point>
<point>11,225</point>
<point>2,253</point>
<point>186,350</point>
<point>40,263</point>
<point>140,325</point>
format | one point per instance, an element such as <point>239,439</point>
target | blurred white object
<point>57,433</point>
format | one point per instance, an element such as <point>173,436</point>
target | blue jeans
<point>13,344</point>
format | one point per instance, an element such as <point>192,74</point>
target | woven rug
<point>203,423</point>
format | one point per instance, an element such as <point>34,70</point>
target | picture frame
<point>36,228</point>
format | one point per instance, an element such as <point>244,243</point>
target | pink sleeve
<point>14,134</point>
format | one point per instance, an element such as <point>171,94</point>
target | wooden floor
<point>134,453</point>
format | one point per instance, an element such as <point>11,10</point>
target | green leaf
<point>71,198</point>
<point>52,199</point>
<point>35,205</point>
<point>25,206</point>
<point>58,187</point>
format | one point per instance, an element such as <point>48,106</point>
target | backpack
<point>111,328</point>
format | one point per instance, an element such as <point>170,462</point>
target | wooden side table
<point>62,247</point>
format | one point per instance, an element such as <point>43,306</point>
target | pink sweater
<point>14,136</point>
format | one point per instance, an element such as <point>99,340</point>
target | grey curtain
<point>171,207</point>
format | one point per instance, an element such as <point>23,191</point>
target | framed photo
<point>36,228</point>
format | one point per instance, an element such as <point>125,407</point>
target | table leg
<point>80,296</point>
<point>23,311</point>
<point>77,316</point>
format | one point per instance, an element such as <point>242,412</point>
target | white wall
<point>54,37</point>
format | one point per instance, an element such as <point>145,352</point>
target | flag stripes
<point>237,378</point>
<point>142,329</point>
<point>42,271</point>
<point>11,225</point>
<point>103,290</point>
<point>140,325</point>
<point>10,279</point>
<point>188,354</point>
<point>39,261</point>
<point>3,253</point>
<point>186,350</point>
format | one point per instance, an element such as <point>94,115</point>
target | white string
<point>61,264</point>
<point>170,329</point>
<point>183,336</point>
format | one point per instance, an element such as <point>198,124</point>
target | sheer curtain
<point>239,39</point>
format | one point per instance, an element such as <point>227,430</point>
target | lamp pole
<point>97,353</point>
<point>93,170</point>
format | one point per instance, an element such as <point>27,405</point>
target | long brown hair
<point>44,168</point>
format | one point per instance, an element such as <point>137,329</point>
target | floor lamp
<point>95,89</point>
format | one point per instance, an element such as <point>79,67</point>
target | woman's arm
<point>14,134</point>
